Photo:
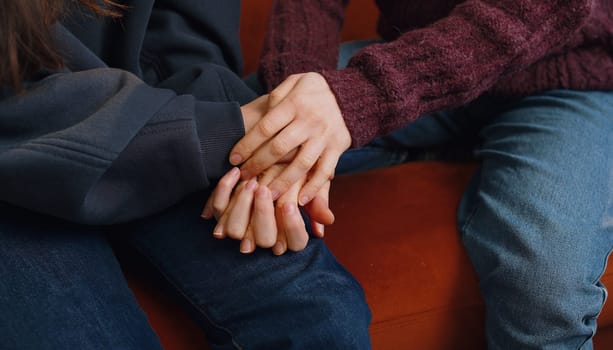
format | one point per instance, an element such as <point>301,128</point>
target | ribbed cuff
<point>362,104</point>
<point>219,126</point>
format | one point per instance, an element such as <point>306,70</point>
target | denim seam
<point>190,299</point>
<point>470,217</point>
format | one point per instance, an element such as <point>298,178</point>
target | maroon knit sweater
<point>442,54</point>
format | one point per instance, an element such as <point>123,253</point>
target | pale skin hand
<point>303,116</point>
<point>232,206</point>
<point>246,212</point>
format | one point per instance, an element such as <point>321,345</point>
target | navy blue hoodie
<point>144,114</point>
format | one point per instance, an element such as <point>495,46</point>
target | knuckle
<point>266,241</point>
<point>279,147</point>
<point>225,183</point>
<point>306,161</point>
<point>312,75</point>
<point>327,174</point>
<point>218,207</point>
<point>255,166</point>
<point>279,206</point>
<point>266,128</point>
<point>298,246</point>
<point>282,184</point>
<point>299,100</point>
<point>274,97</point>
<point>234,231</point>
<point>295,76</point>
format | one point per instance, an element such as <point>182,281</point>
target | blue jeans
<point>62,287</point>
<point>537,218</point>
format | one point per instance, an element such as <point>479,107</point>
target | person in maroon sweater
<point>524,83</point>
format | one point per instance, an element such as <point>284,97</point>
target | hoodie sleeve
<point>184,33</point>
<point>100,146</point>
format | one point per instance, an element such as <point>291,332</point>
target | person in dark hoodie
<point>115,119</point>
<point>523,85</point>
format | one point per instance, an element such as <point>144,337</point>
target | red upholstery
<point>395,231</point>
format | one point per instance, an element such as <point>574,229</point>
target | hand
<point>246,212</point>
<point>303,115</point>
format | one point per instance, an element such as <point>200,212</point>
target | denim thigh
<point>62,288</point>
<point>303,300</point>
<point>537,219</point>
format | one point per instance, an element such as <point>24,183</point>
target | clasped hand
<point>294,139</point>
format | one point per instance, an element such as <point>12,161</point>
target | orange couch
<point>406,252</point>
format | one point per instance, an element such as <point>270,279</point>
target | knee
<point>545,302</point>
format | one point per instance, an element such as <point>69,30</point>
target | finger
<point>219,199</point>
<point>295,231</point>
<point>318,209</point>
<point>299,167</point>
<point>271,152</point>
<point>274,121</point>
<point>247,245</point>
<point>319,212</point>
<point>318,229</point>
<point>270,174</point>
<point>207,211</point>
<point>240,213</point>
<point>219,230</point>
<point>253,111</point>
<point>280,246</point>
<point>322,173</point>
<point>280,92</point>
<point>263,220</point>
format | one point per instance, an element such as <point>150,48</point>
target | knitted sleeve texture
<point>450,62</point>
<point>443,65</point>
<point>303,36</point>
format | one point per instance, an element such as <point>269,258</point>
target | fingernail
<point>235,171</point>
<point>303,200</point>
<point>218,231</point>
<point>236,159</point>
<point>279,248</point>
<point>246,246</point>
<point>274,194</point>
<point>207,213</point>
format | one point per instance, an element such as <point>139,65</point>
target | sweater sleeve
<point>302,36</point>
<point>100,146</point>
<point>450,62</point>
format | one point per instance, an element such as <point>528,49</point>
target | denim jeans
<point>62,287</point>
<point>537,218</point>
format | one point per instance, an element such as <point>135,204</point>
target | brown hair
<point>26,44</point>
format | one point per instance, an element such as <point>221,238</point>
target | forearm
<point>449,63</point>
<point>101,146</point>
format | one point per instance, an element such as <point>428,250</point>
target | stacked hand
<point>294,138</point>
